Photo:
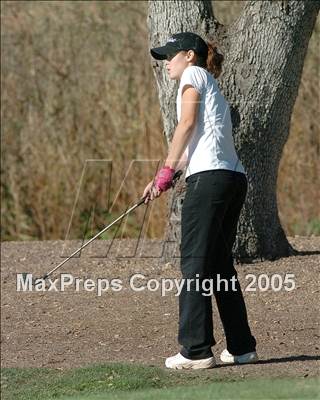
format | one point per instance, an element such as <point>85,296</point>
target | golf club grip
<point>177,175</point>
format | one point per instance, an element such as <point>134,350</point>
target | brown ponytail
<point>213,63</point>
<point>214,60</point>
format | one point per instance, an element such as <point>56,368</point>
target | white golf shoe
<point>246,358</point>
<point>180,362</point>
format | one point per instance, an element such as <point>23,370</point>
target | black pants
<point>210,214</point>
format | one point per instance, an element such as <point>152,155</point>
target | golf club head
<point>35,281</point>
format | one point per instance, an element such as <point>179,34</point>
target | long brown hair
<point>213,63</point>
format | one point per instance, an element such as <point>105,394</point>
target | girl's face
<point>177,63</point>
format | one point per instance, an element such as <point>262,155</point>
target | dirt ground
<point>77,328</point>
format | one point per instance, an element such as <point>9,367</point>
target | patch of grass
<point>43,383</point>
<point>267,389</point>
<point>121,381</point>
<point>308,228</point>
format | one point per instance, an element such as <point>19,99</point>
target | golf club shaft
<point>93,238</point>
<point>141,201</point>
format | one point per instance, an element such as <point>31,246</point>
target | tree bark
<point>264,53</point>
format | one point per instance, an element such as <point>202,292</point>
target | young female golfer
<point>216,190</point>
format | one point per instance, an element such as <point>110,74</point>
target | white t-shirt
<point>211,145</point>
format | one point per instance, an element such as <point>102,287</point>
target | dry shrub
<point>298,181</point>
<point>77,85</point>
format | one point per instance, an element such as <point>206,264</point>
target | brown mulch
<point>77,328</point>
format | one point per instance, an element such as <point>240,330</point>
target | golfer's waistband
<point>211,172</point>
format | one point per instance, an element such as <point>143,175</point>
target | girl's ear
<point>190,55</point>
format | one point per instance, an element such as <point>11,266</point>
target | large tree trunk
<point>264,53</point>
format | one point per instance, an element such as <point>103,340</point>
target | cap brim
<point>160,53</point>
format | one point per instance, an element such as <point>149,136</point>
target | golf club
<point>174,181</point>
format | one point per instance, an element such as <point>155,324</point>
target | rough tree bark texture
<point>264,53</point>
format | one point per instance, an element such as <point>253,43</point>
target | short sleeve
<point>192,76</point>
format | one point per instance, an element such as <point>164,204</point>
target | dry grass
<point>298,180</point>
<point>73,90</point>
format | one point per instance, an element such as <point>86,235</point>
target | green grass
<point>124,382</point>
<point>308,228</point>
<point>251,389</point>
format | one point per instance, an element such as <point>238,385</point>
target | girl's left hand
<point>155,192</point>
<point>152,192</point>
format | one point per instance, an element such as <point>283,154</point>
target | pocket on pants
<point>193,181</point>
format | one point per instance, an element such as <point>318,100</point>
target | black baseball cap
<point>179,42</point>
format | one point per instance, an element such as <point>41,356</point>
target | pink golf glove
<point>163,180</point>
